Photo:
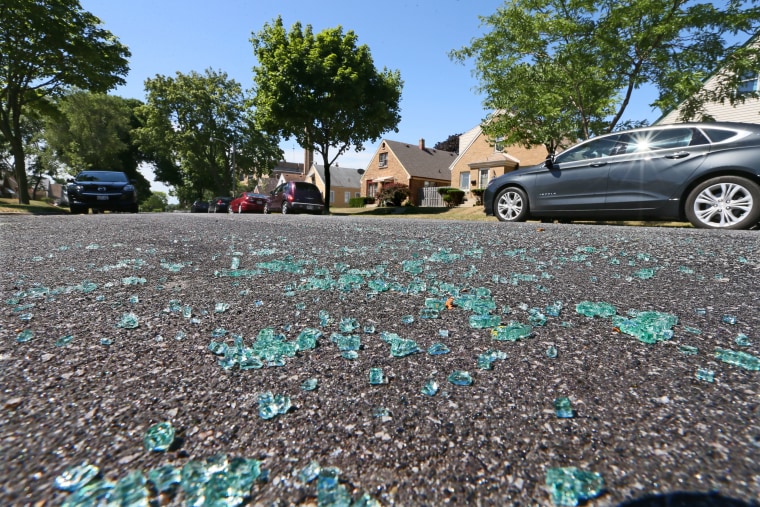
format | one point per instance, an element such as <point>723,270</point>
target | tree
<point>94,131</point>
<point>450,144</point>
<point>322,90</point>
<point>158,201</point>
<point>201,136</point>
<point>560,70</point>
<point>45,48</point>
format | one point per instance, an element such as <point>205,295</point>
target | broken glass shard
<point>310,472</point>
<point>429,313</point>
<point>536,318</point>
<point>688,350</point>
<point>221,307</point>
<point>738,358</point>
<point>164,478</point>
<point>379,412</point>
<point>76,477</point>
<point>460,378</point>
<point>159,437</point>
<point>437,349</point>
<point>705,375</point>
<point>95,493</point>
<point>324,318</point>
<point>551,352</point>
<point>310,384</point>
<point>218,348</point>
<point>307,338</point>
<point>513,331</point>
<point>130,490</point>
<point>486,360</point>
<point>25,336</point>
<point>376,376</point>
<point>407,319</point>
<point>728,319</point>
<point>128,321</point>
<point>742,340</point>
<point>330,493</point>
<point>591,309</point>
<point>554,309</point>
<point>346,342</point>
<point>349,354</point>
<point>273,405</point>
<point>348,324</point>
<point>648,327</point>
<point>64,340</point>
<point>484,321</point>
<point>570,486</point>
<point>563,408</point>
<point>430,388</point>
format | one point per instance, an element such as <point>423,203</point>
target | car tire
<point>724,202</point>
<point>284,208</point>
<point>76,210</point>
<point>265,211</point>
<point>511,205</point>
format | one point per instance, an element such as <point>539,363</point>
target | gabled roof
<point>427,163</point>
<point>465,141</point>
<point>345,177</point>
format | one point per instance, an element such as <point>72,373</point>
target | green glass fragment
<point>376,376</point>
<point>688,350</point>
<point>221,307</point>
<point>76,477</point>
<point>437,349</point>
<point>563,408</point>
<point>310,472</point>
<point>483,321</point>
<point>94,493</point>
<point>728,319</point>
<point>349,354</point>
<point>310,384</point>
<point>513,331</point>
<point>379,412</point>
<point>648,327</point>
<point>273,405</point>
<point>551,352</point>
<point>64,340</point>
<point>24,336</point>
<point>330,493</point>
<point>429,313</point>
<point>307,338</point>
<point>570,486</point>
<point>705,375</point>
<point>738,358</point>
<point>591,309</point>
<point>130,490</point>
<point>164,478</point>
<point>159,437</point>
<point>460,378</point>
<point>742,340</point>
<point>407,319</point>
<point>128,321</point>
<point>486,360</point>
<point>430,388</point>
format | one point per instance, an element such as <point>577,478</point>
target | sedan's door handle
<point>678,154</point>
<point>598,164</point>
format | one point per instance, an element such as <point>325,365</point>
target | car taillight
<point>290,197</point>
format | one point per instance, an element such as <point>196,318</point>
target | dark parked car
<point>706,173</point>
<point>199,207</point>
<point>248,201</point>
<point>295,197</point>
<point>220,205</point>
<point>101,191</point>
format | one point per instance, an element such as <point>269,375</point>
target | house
<point>413,165</point>
<point>480,160</point>
<point>746,112</point>
<point>282,172</point>
<point>345,183</point>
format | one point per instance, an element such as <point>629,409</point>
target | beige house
<point>747,112</point>
<point>345,183</point>
<point>414,165</point>
<point>481,159</point>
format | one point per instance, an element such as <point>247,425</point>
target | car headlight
<point>129,188</point>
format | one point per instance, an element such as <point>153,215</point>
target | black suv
<point>102,191</point>
<point>295,197</point>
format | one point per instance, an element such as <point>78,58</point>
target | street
<point>112,323</point>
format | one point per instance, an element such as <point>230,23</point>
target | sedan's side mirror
<point>549,162</point>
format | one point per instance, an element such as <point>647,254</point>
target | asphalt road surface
<point>107,322</point>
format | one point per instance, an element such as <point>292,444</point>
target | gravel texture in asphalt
<point>80,384</point>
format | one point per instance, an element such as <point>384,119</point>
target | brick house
<point>345,183</point>
<point>414,165</point>
<point>481,159</point>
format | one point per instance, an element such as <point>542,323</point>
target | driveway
<point>112,324</point>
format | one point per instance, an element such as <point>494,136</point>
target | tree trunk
<point>19,164</point>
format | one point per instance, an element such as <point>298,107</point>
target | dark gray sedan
<point>706,173</point>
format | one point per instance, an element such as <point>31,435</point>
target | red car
<point>248,201</point>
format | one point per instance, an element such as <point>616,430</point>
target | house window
<point>332,197</point>
<point>498,146</point>
<point>748,83</point>
<point>483,178</point>
<point>357,194</point>
<point>464,180</point>
<point>346,196</point>
<point>383,157</point>
<point>371,189</point>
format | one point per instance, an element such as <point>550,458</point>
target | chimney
<point>422,144</point>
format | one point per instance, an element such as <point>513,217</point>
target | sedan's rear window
<point>719,135</point>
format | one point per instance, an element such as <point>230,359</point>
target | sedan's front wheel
<point>725,202</point>
<point>511,205</point>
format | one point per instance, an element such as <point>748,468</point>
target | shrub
<point>393,194</point>
<point>357,202</point>
<point>454,197</point>
<point>369,200</point>
<point>478,193</point>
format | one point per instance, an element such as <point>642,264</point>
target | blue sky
<point>412,36</point>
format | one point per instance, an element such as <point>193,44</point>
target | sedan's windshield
<point>111,176</point>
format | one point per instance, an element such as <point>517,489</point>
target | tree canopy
<point>199,132</point>
<point>560,70</point>
<point>47,47</point>
<point>322,90</point>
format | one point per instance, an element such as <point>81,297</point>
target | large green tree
<point>46,47</point>
<point>322,90</point>
<point>559,70</point>
<point>94,131</point>
<point>200,134</point>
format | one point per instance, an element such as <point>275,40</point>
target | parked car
<point>295,197</point>
<point>101,191</point>
<point>220,205</point>
<point>706,173</point>
<point>199,207</point>
<point>248,201</point>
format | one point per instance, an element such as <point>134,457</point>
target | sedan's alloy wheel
<point>724,203</point>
